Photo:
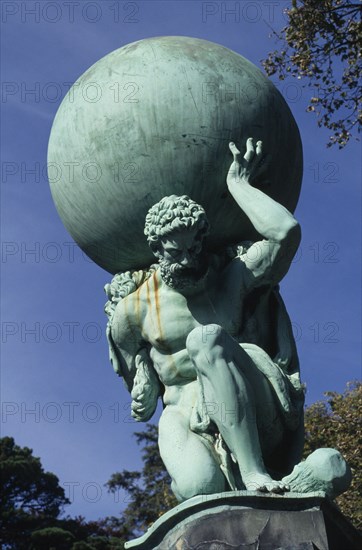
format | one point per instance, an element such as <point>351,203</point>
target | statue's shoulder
<point>128,290</point>
<point>230,255</point>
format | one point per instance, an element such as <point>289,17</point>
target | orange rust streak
<point>167,348</point>
<point>157,304</point>
<point>148,295</point>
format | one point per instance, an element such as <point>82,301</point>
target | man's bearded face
<point>181,259</point>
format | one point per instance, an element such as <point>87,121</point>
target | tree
<point>322,43</point>
<point>337,423</point>
<point>51,537</point>
<point>30,498</point>
<point>149,493</point>
<point>31,503</point>
<point>104,534</point>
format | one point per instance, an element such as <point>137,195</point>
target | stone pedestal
<point>244,520</point>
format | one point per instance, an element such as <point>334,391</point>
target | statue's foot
<point>255,481</point>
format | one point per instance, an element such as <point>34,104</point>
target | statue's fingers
<point>137,393</point>
<point>259,149</point>
<point>236,154</point>
<point>137,415</point>
<point>249,155</point>
<point>235,151</point>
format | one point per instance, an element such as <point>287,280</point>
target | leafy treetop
<point>322,43</point>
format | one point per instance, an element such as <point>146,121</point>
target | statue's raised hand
<point>250,167</point>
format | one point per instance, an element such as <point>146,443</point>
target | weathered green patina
<point>204,328</point>
<point>154,118</point>
<point>212,332</point>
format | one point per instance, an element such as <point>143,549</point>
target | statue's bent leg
<point>232,386</point>
<point>188,458</point>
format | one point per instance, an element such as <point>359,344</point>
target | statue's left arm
<point>267,260</point>
<point>128,350</point>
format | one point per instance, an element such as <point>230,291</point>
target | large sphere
<point>154,118</point>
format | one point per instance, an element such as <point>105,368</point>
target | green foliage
<point>51,537</point>
<point>31,502</point>
<point>322,44</point>
<point>30,497</point>
<point>104,534</point>
<point>99,543</point>
<point>337,423</point>
<point>149,493</point>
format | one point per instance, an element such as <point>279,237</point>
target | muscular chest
<point>171,316</point>
<point>168,322</point>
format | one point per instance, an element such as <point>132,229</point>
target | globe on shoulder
<point>155,118</point>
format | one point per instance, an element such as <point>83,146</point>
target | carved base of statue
<point>250,520</point>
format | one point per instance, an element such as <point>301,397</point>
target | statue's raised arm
<point>267,260</point>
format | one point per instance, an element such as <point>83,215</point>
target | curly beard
<point>178,277</point>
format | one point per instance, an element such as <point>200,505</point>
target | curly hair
<point>174,213</point>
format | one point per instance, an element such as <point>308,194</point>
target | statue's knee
<point>183,491</point>
<point>204,338</point>
<point>188,488</point>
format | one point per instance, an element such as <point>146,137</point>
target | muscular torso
<point>164,317</point>
<point>161,318</point>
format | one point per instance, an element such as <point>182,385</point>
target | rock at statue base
<point>243,520</point>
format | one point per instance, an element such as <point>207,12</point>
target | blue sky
<point>54,351</point>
